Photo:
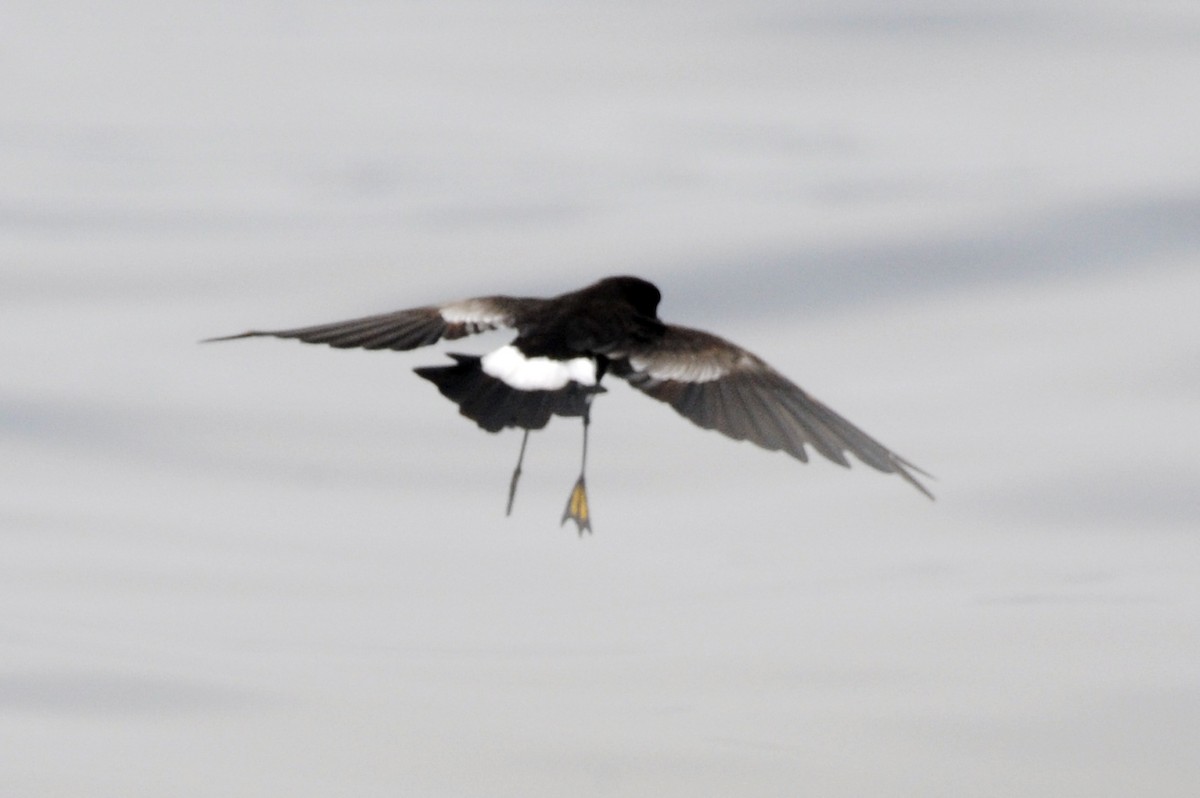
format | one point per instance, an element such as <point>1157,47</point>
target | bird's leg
<point>577,504</point>
<point>512,486</point>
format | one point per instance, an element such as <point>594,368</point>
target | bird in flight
<point>564,347</point>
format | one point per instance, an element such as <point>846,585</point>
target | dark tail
<point>494,405</point>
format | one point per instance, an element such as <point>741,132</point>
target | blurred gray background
<point>260,568</point>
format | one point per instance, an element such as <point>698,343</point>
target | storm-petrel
<point>564,347</point>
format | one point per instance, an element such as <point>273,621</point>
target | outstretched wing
<point>722,387</point>
<point>409,329</point>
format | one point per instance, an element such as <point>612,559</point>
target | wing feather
<point>720,386</point>
<point>408,329</point>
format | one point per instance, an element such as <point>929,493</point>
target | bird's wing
<point>409,329</point>
<point>723,387</point>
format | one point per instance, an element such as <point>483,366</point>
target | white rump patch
<point>508,365</point>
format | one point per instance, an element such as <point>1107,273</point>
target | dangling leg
<point>512,486</point>
<point>577,504</point>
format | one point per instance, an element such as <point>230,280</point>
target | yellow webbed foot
<point>577,508</point>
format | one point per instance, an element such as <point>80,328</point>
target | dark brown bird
<point>565,345</point>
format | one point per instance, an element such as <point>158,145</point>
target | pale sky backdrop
<point>262,568</point>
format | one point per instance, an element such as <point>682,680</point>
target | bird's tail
<point>494,405</point>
